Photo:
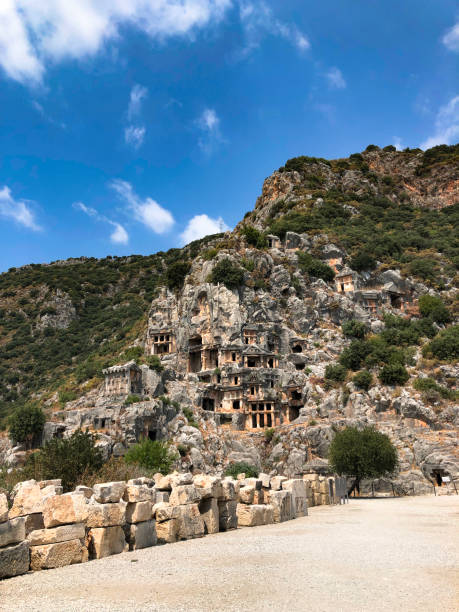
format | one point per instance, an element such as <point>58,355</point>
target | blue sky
<point>132,126</point>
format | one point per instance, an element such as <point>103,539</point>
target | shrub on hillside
<point>26,424</point>
<point>363,380</point>
<point>353,356</point>
<point>154,362</point>
<point>363,261</point>
<point>393,374</point>
<point>429,384</point>
<point>176,273</point>
<point>314,267</point>
<point>242,467</point>
<point>68,459</point>
<point>445,345</point>
<point>335,372</point>
<point>153,455</point>
<point>227,273</point>
<point>354,329</point>
<point>432,306</point>
<point>254,237</point>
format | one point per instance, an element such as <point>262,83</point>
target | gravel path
<point>385,554</point>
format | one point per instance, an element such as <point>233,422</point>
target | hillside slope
<point>262,328</point>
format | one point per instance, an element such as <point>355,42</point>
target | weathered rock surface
<point>141,535</point>
<point>57,555</point>
<point>106,515</point>
<point>106,541</point>
<point>64,509</point>
<point>12,532</point>
<point>63,533</point>
<point>14,560</point>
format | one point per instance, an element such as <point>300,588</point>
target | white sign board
<point>445,479</point>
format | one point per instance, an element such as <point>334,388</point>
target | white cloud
<point>119,234</point>
<point>134,135</point>
<point>258,21</point>
<point>451,38</point>
<point>200,226</point>
<point>398,143</point>
<point>446,125</point>
<point>35,33</point>
<point>137,96</point>
<point>335,79</point>
<point>209,125</point>
<point>18,210</point>
<point>147,211</point>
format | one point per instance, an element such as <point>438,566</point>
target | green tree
<point>360,454</point>
<point>226,272</point>
<point>153,455</point>
<point>354,329</point>
<point>26,424</point>
<point>393,374</point>
<point>363,380</point>
<point>68,459</point>
<point>335,372</point>
<point>432,306</point>
<point>314,267</point>
<point>175,274</point>
<point>241,467</point>
<point>254,237</point>
<point>445,345</point>
<point>363,261</point>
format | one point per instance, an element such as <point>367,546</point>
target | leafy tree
<point>360,454</point>
<point>227,273</point>
<point>335,372</point>
<point>445,345</point>
<point>362,261</point>
<point>393,374</point>
<point>175,274</point>
<point>154,362</point>
<point>390,148</point>
<point>372,147</point>
<point>432,306</point>
<point>26,424</point>
<point>154,455</point>
<point>354,329</point>
<point>241,467</point>
<point>353,356</point>
<point>363,380</point>
<point>68,459</point>
<point>254,237</point>
<point>314,267</point>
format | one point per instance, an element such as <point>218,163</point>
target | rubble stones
<point>109,492</point>
<point>57,555</point>
<point>28,499</point>
<point>12,531</point>
<point>14,560</point>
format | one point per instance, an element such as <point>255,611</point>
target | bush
<point>188,413</point>
<point>26,424</point>
<point>227,273</point>
<point>445,345</point>
<point>429,384</point>
<point>363,261</point>
<point>424,268</point>
<point>393,374</point>
<point>153,455</point>
<point>432,306</point>
<point>354,329</point>
<point>176,273</point>
<point>390,148</point>
<point>363,380</point>
<point>254,237</point>
<point>353,356</point>
<point>335,372</point>
<point>154,362</point>
<point>362,454</point>
<point>66,396</point>
<point>372,147</point>
<point>269,434</point>
<point>242,467</point>
<point>314,267</point>
<point>132,399</point>
<point>68,459</point>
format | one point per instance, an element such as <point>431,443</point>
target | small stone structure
<point>123,379</point>
<point>45,529</point>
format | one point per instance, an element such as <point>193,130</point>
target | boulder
<point>14,560</point>
<point>167,531</point>
<point>12,531</point>
<point>139,493</point>
<point>282,504</point>
<point>109,492</point>
<point>86,491</point>
<point>57,555</point>
<point>208,486</point>
<point>165,512</point>
<point>184,494</point>
<point>139,512</point>
<point>27,499</point>
<point>106,515</point>
<point>64,509</point>
<point>3,508</point>
<point>208,509</point>
<point>62,533</point>
<point>106,541</point>
<point>229,489</point>
<point>246,495</point>
<point>181,479</point>
<point>299,495</point>
<point>265,480</point>
<point>251,516</point>
<point>191,524</point>
<point>140,535</point>
<point>227,516</point>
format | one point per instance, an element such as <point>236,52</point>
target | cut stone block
<point>208,509</point>
<point>63,533</point>
<point>208,486</point>
<point>163,483</point>
<point>64,509</point>
<point>57,482</point>
<point>259,497</point>
<point>141,535</point>
<point>57,555</point>
<point>139,493</point>
<point>3,508</point>
<point>27,499</point>
<point>276,482</point>
<point>167,531</point>
<point>109,492</point>
<point>106,541</point>
<point>282,503</point>
<point>229,489</point>
<point>265,480</point>
<point>246,494</point>
<point>14,560</point>
<point>12,531</point>
<point>191,524</point>
<point>162,496</point>
<point>178,480</point>
<point>184,494</point>
<point>227,516</point>
<point>143,480</point>
<point>298,490</point>
<point>140,512</point>
<point>86,491</point>
<point>251,516</point>
<point>165,512</point>
<point>106,515</point>
<point>34,522</point>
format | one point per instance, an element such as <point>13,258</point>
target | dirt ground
<point>381,554</point>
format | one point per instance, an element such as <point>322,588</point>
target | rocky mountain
<point>332,303</point>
